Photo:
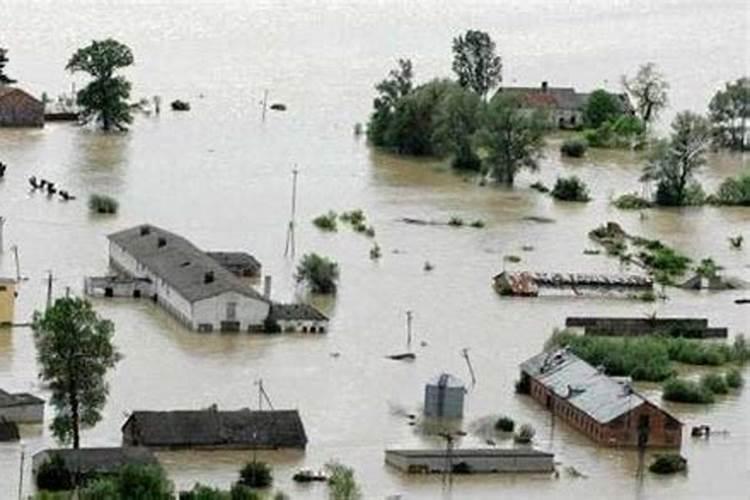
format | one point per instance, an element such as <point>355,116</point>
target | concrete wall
<point>7,301</point>
<point>438,463</point>
<point>250,312</point>
<point>32,413</point>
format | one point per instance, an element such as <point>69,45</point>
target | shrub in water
<point>734,191</point>
<point>570,189</point>
<point>669,463</point>
<point>539,186</point>
<point>714,383</point>
<point>632,201</point>
<point>477,224</point>
<point>354,217</point>
<point>686,391</point>
<point>734,378</point>
<point>320,273</point>
<point>456,221</point>
<point>256,475</point>
<point>102,204</point>
<point>326,222</point>
<point>505,424</point>
<point>53,475</point>
<point>525,434</point>
<point>575,148</point>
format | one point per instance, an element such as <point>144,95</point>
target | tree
<point>143,482</point>
<point>397,85</point>
<point>729,110</point>
<point>74,352</point>
<point>673,163</point>
<point>4,79</point>
<point>601,107</point>
<point>320,273</point>
<point>105,98</point>
<point>256,475</point>
<point>455,121</point>
<point>648,89</point>
<point>511,138</point>
<point>341,482</point>
<point>475,62</point>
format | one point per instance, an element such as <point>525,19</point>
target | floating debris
<point>178,105</point>
<point>428,266</point>
<point>538,219</point>
<point>736,241</point>
<point>278,106</point>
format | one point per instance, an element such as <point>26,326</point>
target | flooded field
<point>222,177</point>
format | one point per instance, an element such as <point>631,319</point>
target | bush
<point>53,475</point>
<point>575,148</point>
<point>525,434</point>
<point>479,223</point>
<point>714,383</point>
<point>740,349</point>
<point>341,482</point>
<point>270,325</point>
<point>734,378</point>
<point>103,204</point>
<point>686,391</point>
<point>202,492</point>
<point>539,186</point>
<point>256,475</point>
<point>734,191</point>
<point>354,217</point>
<point>326,222</point>
<point>320,273</point>
<point>632,201</point>
<point>570,189</point>
<point>456,221</point>
<point>505,424</point>
<point>669,463</point>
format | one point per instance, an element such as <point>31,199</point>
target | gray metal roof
<point>236,261</point>
<point>290,312</point>
<point>180,263</point>
<point>18,399</point>
<point>582,385</point>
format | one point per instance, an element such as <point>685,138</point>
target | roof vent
<point>185,264</point>
<point>162,242</point>
<point>145,230</point>
<point>208,277</point>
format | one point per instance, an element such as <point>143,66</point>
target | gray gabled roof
<point>18,399</point>
<point>236,261</point>
<point>214,428</point>
<point>180,263</point>
<point>582,385</point>
<point>291,312</point>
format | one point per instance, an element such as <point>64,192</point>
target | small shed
<point>444,397</point>
<point>18,108</point>
<point>7,300</point>
<point>21,408</point>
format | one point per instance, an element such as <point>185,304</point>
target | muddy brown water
<point>221,177</point>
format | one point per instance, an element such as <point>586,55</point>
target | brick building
<point>604,408</point>
<point>19,108</point>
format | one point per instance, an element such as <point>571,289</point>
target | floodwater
<point>222,177</point>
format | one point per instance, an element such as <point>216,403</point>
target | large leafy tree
<point>511,138</point>
<point>729,111</point>
<point>601,107</point>
<point>320,273</point>
<point>4,79</point>
<point>391,90</point>
<point>74,351</point>
<point>104,99</point>
<point>648,89</point>
<point>475,62</point>
<point>674,163</point>
<point>456,119</point>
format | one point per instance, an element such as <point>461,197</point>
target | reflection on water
<point>222,178</point>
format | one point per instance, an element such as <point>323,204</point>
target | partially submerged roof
<point>180,263</point>
<point>236,261</point>
<point>99,460</point>
<point>212,427</point>
<point>299,312</point>
<point>6,90</point>
<point>469,452</point>
<point>8,400</point>
<point>585,387</point>
<point>560,97</point>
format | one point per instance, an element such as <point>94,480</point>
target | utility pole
<point>465,354</point>
<point>20,472</point>
<point>18,265</point>
<point>290,245</point>
<point>265,104</point>
<point>408,330</point>
<point>2,223</point>
<point>49,288</point>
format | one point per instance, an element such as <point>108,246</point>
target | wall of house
<point>304,326</point>
<point>18,109</point>
<point>213,310</point>
<point>7,301</point>
<point>24,414</point>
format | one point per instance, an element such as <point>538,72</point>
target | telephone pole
<point>18,265</point>
<point>408,330</point>
<point>2,223</point>
<point>265,104</point>
<point>49,289</point>
<point>289,249</point>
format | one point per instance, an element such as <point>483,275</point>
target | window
<point>231,311</point>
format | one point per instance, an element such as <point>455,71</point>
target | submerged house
<point>93,462</point>
<point>18,108</point>
<point>241,264</point>
<point>564,105</point>
<point>187,282</point>
<point>21,408</point>
<point>300,318</point>
<point>607,410</point>
<point>215,429</point>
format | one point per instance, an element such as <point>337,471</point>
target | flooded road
<point>222,177</point>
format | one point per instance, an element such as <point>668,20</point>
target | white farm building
<point>192,286</point>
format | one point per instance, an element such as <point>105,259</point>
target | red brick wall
<point>18,109</point>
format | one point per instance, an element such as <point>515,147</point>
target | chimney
<point>145,230</point>
<point>544,86</point>
<point>267,287</point>
<point>208,277</point>
<point>162,242</point>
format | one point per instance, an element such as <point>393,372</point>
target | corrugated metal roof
<point>582,385</point>
<point>180,263</point>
